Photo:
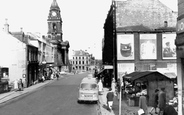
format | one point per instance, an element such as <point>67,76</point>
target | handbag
<point>140,111</point>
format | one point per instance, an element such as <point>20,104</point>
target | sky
<point>83,20</point>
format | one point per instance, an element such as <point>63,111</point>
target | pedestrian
<point>169,110</point>
<point>143,103</point>
<point>57,75</point>
<point>52,76</point>
<point>20,85</point>
<point>161,100</point>
<point>155,102</point>
<point>16,85</point>
<point>100,86</point>
<point>110,98</point>
<point>113,86</point>
<point>43,78</point>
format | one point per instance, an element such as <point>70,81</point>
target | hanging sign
<point>180,26</point>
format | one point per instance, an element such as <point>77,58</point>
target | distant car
<point>88,90</point>
<point>63,73</point>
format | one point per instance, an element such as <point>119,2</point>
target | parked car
<point>63,73</point>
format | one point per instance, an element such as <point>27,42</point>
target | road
<point>57,98</point>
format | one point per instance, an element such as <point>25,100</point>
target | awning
<point>101,71</point>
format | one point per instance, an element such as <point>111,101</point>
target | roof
<point>80,53</point>
<point>54,5</point>
<point>170,75</point>
<point>145,75</point>
<point>144,11</point>
<point>89,80</point>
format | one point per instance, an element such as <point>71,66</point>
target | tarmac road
<point>57,98</point>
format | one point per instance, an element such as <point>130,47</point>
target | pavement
<point>12,95</point>
<point>125,108</point>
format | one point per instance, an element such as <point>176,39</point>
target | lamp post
<point>115,51</point>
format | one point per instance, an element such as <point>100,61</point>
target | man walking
<point>110,97</point>
<point>161,100</point>
<point>155,102</point>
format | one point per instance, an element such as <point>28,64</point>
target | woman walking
<point>143,103</point>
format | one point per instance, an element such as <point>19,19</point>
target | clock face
<point>54,13</point>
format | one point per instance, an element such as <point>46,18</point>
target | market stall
<point>148,81</point>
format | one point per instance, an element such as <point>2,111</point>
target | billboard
<point>125,47</point>
<point>148,46</point>
<point>168,46</point>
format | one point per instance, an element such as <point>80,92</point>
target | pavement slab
<point>125,108</point>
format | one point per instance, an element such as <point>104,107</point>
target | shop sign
<point>108,67</point>
<point>180,26</point>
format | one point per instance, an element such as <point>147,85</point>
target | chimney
<point>21,29</point>
<point>6,26</point>
<point>165,24</point>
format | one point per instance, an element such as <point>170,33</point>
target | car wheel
<point>79,102</point>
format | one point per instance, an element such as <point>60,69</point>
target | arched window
<point>54,27</point>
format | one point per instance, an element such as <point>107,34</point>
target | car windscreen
<point>88,86</point>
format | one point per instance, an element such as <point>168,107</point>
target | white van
<point>88,90</point>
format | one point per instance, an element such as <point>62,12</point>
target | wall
<point>156,63</point>
<point>144,11</point>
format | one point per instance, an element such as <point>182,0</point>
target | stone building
<point>82,61</point>
<point>55,34</point>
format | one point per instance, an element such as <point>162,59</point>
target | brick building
<point>144,31</point>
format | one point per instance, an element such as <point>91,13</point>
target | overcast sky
<point>83,20</point>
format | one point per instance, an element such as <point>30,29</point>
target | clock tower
<point>60,47</point>
<point>54,23</point>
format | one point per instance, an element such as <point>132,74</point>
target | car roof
<point>89,80</point>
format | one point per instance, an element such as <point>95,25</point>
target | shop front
<point>147,81</point>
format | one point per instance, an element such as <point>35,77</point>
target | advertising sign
<point>125,47</point>
<point>168,46</point>
<point>148,46</point>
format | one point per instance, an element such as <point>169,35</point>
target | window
<point>88,86</point>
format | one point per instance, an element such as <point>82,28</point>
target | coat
<point>100,86</point>
<point>169,110</point>
<point>110,96</point>
<point>156,100</point>
<point>162,100</point>
<point>143,104</point>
